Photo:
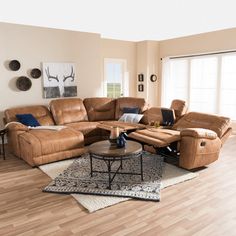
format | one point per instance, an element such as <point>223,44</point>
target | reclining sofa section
<point>200,137</point>
<point>82,118</point>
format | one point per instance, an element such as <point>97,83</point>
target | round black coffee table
<point>103,150</point>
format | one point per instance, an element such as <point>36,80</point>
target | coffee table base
<point>110,160</point>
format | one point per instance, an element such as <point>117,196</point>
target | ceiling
<point>132,20</point>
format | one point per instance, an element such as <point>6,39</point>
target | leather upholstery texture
<point>40,143</point>
<point>67,111</point>
<point>199,135</point>
<point>41,113</point>
<point>88,129</point>
<point>154,113</point>
<point>129,102</point>
<point>180,107</point>
<point>100,108</point>
<point>198,148</point>
<point>151,115</point>
<point>40,160</point>
<point>216,123</point>
<point>156,137</point>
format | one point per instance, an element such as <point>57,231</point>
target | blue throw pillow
<point>134,110</point>
<point>27,119</point>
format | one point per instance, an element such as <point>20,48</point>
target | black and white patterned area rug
<point>76,178</point>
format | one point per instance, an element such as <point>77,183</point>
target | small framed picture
<point>140,87</point>
<point>140,77</point>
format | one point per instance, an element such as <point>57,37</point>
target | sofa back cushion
<point>155,114</point>
<point>179,107</point>
<point>99,109</point>
<point>129,102</point>
<point>69,110</point>
<point>151,115</point>
<point>41,113</point>
<point>219,124</point>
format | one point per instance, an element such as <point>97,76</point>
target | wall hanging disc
<point>23,83</point>
<point>14,65</point>
<point>35,73</point>
<point>153,78</point>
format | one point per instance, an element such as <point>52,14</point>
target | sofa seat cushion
<point>43,142</point>
<point>86,127</point>
<point>156,137</point>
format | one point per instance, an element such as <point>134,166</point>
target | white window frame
<point>166,75</point>
<point>125,79</point>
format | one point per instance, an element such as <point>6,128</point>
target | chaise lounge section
<point>38,147</point>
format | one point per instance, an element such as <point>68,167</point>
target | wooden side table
<point>2,150</point>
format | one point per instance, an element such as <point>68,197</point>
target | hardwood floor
<point>203,206</point>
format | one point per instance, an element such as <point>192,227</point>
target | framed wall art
<point>59,80</point>
<point>140,77</point>
<point>140,87</point>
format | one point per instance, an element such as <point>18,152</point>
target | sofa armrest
<point>198,147</point>
<point>198,133</point>
<point>16,126</point>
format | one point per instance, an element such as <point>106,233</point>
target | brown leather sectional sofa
<point>200,136</point>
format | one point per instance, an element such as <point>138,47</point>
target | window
<point>207,83</point>
<point>115,79</point>
<point>228,86</point>
<point>203,86</point>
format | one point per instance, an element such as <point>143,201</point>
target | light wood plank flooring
<point>203,206</point>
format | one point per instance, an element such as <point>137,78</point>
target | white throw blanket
<point>49,127</point>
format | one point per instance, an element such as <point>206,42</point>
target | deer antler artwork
<point>72,75</point>
<point>50,77</point>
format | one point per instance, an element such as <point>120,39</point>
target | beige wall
<point>147,64</point>
<point>122,50</point>
<point>34,45</point>
<point>142,60</point>
<point>222,40</point>
<point>152,68</point>
<point>202,43</point>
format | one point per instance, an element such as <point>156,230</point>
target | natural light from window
<point>115,81</point>
<point>207,83</point>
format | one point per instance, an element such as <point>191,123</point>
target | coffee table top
<point>104,148</point>
<point>123,126</point>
